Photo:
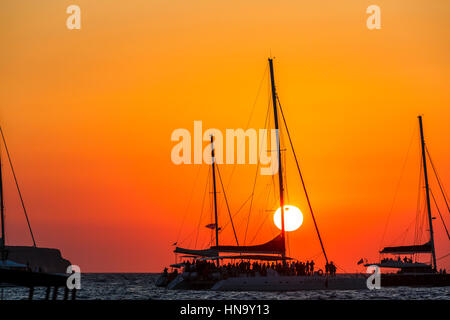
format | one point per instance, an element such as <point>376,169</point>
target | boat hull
<point>183,283</point>
<point>290,283</point>
<point>271,283</point>
<point>415,280</point>
<point>26,278</point>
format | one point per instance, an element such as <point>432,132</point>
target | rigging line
<point>288,245</point>
<point>418,209</point>
<point>242,205</point>
<point>17,185</point>
<point>314,256</point>
<point>249,198</point>
<point>203,207</point>
<point>440,215</point>
<point>256,175</point>
<point>402,235</point>
<point>187,237</point>
<point>250,118</point>
<point>339,267</point>
<point>274,185</point>
<point>240,208</point>
<point>266,215</point>
<point>397,189</point>
<point>2,208</point>
<point>285,177</point>
<point>248,122</point>
<point>257,95</point>
<point>189,203</point>
<point>259,229</point>
<point>284,160</point>
<point>303,182</point>
<point>444,194</point>
<point>228,207</point>
<point>251,204</point>
<point>423,222</point>
<point>448,254</point>
<point>267,125</point>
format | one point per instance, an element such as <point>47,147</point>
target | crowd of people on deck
<point>206,269</point>
<point>398,260</point>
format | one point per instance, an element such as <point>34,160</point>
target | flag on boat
<point>212,226</point>
<point>361,261</point>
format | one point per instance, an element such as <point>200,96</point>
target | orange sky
<point>88,116</point>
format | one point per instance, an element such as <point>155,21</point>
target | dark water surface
<point>118,286</point>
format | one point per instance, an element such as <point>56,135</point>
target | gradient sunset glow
<point>88,115</point>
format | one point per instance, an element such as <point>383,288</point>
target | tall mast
<point>280,171</point>
<point>2,207</point>
<point>213,160</point>
<point>427,188</point>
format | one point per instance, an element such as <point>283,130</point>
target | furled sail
<point>274,246</point>
<point>249,257</point>
<point>424,248</point>
<point>201,253</point>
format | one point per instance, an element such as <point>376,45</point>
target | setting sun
<point>293,218</point>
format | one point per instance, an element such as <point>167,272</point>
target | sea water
<point>141,286</point>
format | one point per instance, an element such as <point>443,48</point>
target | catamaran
<point>410,271</point>
<point>272,251</point>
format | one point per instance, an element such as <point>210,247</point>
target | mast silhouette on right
<point>427,189</point>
